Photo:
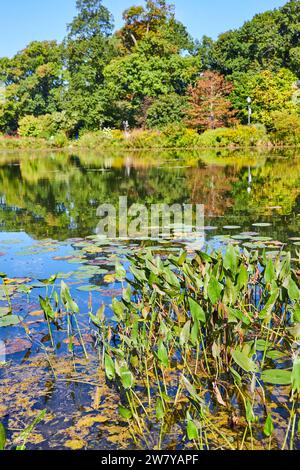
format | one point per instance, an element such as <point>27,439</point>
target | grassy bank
<point>178,137</point>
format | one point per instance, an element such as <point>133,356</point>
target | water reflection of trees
<point>57,195</point>
<point>274,186</point>
<point>212,186</point>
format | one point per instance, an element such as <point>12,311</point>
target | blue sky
<point>24,20</point>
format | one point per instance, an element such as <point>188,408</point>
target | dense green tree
<point>286,125</point>
<point>269,41</point>
<point>156,17</point>
<point>151,64</point>
<point>93,20</point>
<point>88,48</point>
<point>142,73</point>
<point>203,49</point>
<point>151,70</point>
<point>165,110</point>
<point>33,81</point>
<point>269,92</point>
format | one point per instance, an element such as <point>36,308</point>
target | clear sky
<point>24,20</point>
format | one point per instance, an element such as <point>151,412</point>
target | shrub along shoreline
<point>172,137</point>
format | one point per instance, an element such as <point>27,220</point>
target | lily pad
<point>254,246</point>
<point>261,239</point>
<point>9,320</point>
<point>88,288</point>
<point>240,237</point>
<point>262,224</point>
<point>4,311</point>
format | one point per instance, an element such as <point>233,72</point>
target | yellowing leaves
<point>8,281</point>
<point>109,278</point>
<point>75,444</point>
<point>89,421</point>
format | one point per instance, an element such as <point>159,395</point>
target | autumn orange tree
<point>210,106</point>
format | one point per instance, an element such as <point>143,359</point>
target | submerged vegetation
<point>202,350</point>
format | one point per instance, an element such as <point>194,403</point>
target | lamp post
<point>249,101</point>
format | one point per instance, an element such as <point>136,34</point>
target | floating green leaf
<point>9,320</point>
<point>262,224</point>
<point>88,288</point>
<point>277,377</point>
<point>4,311</point>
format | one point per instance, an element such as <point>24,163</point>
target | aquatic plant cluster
<point>203,336</point>
<point>202,349</point>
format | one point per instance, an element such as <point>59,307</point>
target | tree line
<point>151,74</point>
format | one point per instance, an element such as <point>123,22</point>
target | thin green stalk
<point>50,331</point>
<point>289,427</point>
<point>81,338</point>
<point>148,381</point>
<point>159,387</point>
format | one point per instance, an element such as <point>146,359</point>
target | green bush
<point>114,138</point>
<point>286,128</point>
<point>170,137</point>
<point>31,126</point>
<point>45,126</point>
<point>140,139</point>
<point>59,140</point>
<point>240,136</point>
<point>105,138</point>
<point>178,136</point>
<point>12,143</point>
<point>167,109</point>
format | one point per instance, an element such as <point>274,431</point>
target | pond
<point>48,225</point>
